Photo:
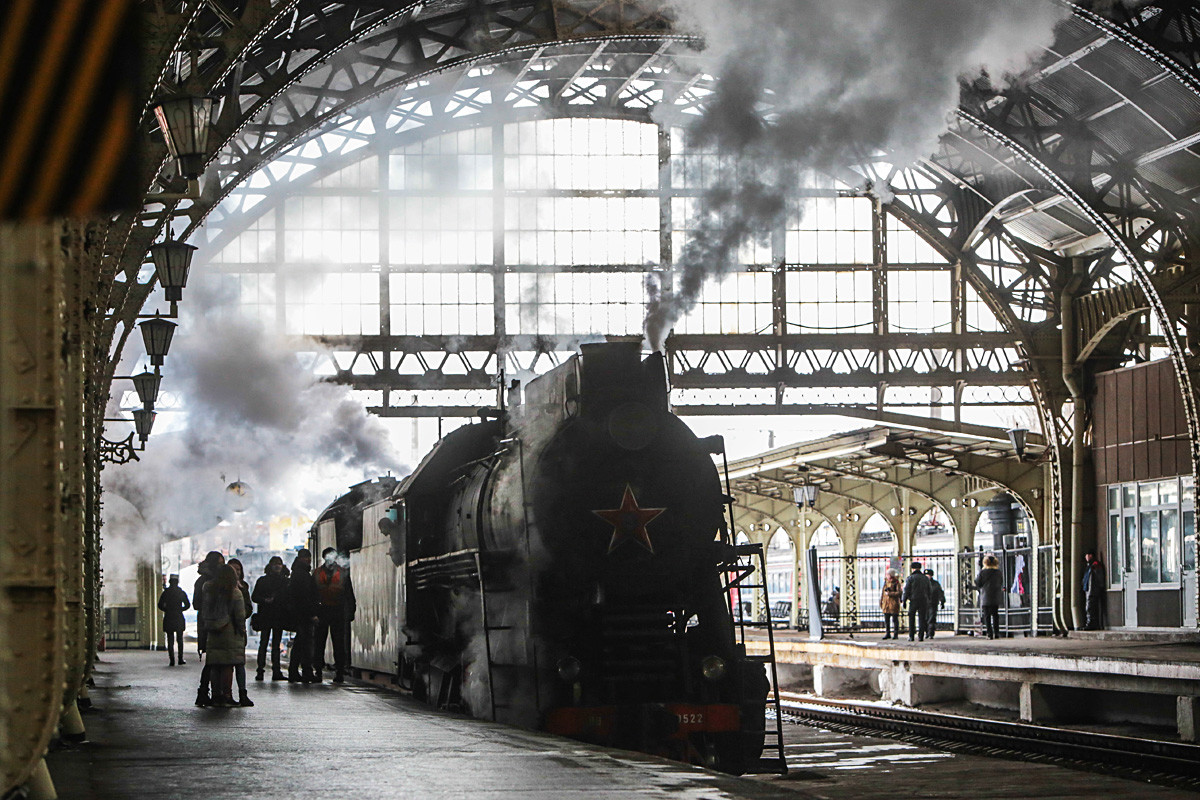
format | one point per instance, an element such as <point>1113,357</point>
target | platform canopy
<point>901,474</point>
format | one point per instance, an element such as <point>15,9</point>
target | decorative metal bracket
<point>121,452</point>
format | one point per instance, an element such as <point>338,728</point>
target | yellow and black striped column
<point>68,94</point>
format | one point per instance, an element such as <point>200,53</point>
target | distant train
<point>564,564</point>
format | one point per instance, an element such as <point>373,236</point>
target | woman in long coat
<point>889,602</point>
<point>223,615</point>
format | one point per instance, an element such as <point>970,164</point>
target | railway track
<point>1168,763</point>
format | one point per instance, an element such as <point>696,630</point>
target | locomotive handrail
<point>417,562</point>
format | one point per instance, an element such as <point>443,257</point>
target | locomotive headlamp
<point>569,669</point>
<point>713,668</point>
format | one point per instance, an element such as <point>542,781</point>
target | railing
<point>851,587</point>
<point>858,581</point>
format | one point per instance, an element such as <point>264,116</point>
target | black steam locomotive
<point>564,564</point>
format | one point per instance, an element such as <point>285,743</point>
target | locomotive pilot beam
<point>565,563</point>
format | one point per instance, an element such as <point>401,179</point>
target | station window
<point>574,303</point>
<point>338,303</point>
<point>331,229</point>
<point>919,300</point>
<point>830,302</point>
<point>1151,527</point>
<point>440,230</point>
<point>575,231</point>
<point>830,230</point>
<point>738,303</point>
<point>448,303</point>
<point>686,219</point>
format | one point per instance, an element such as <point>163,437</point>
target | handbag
<point>256,622</point>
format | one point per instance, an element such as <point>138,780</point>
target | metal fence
<point>851,588</point>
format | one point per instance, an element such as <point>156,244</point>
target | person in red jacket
<point>335,611</point>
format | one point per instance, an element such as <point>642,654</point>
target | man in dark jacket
<point>916,595</point>
<point>173,602</point>
<point>271,595</point>
<point>1093,591</point>
<point>335,611</point>
<point>990,585</point>
<point>302,600</point>
<point>937,599</point>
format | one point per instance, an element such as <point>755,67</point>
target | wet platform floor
<point>359,742</point>
<point>148,740</point>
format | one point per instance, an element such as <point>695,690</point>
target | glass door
<point>1187,504</point>
<point>1130,577</point>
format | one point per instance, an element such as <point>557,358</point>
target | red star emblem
<point>629,521</point>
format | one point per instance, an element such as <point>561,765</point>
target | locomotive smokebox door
<point>632,425</point>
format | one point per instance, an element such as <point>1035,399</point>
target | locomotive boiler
<point>565,563</point>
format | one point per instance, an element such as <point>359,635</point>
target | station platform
<point>1049,680</point>
<point>146,739</point>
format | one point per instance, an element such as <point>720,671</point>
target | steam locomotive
<point>563,563</point>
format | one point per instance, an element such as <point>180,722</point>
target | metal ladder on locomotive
<point>751,560</point>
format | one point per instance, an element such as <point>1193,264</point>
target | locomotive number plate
<point>691,719</point>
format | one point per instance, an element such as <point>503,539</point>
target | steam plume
<point>843,80</point>
<point>252,411</point>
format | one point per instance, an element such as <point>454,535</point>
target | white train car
<point>350,525</point>
<point>376,634</point>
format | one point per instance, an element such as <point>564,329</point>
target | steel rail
<point>1172,763</point>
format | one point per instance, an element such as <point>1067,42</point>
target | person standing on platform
<point>990,584</point>
<point>335,611</point>
<point>937,600</point>
<point>1093,592</point>
<point>302,602</point>
<point>239,669</point>
<point>916,596</point>
<point>270,593</point>
<point>889,603</point>
<point>208,568</point>
<point>173,602</point>
<point>223,615</point>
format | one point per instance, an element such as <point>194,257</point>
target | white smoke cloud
<point>251,411</point>
<point>819,85</point>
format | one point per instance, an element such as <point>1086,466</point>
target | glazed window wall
<point>1151,527</point>
<point>550,227</point>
